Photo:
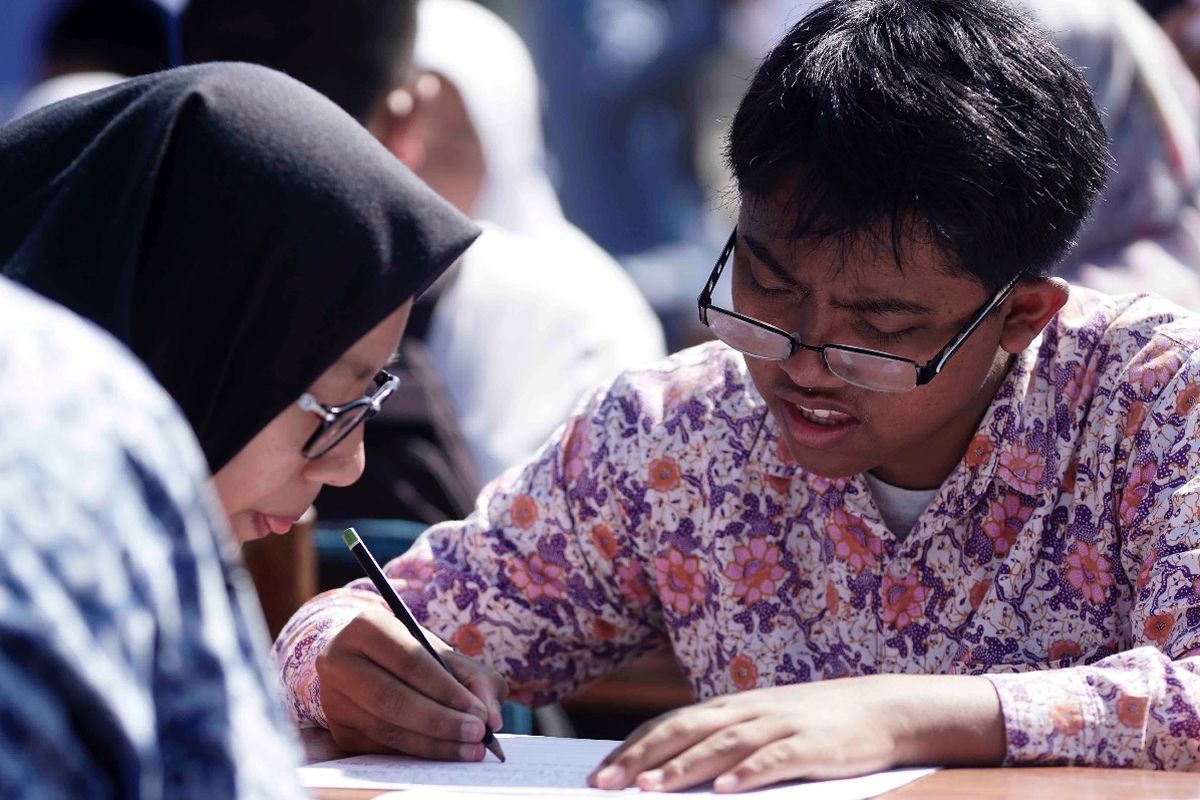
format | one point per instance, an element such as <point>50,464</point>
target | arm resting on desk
<point>543,582</point>
<point>1139,708</point>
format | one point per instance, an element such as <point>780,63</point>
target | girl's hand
<point>827,729</point>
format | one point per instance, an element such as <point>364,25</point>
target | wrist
<point>942,719</point>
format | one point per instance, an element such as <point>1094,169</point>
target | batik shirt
<point>132,657</point>
<point>1060,558</point>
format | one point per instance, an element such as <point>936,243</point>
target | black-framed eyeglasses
<point>868,369</point>
<point>337,422</point>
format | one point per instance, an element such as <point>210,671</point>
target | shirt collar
<point>1014,444</point>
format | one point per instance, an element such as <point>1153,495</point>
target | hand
<point>381,692</point>
<point>827,729</point>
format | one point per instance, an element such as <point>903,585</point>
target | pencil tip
<point>494,747</point>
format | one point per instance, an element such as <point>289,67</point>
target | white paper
<point>537,764</point>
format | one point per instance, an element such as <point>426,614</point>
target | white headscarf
<point>538,313</point>
<point>490,66</point>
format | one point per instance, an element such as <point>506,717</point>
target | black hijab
<point>234,228</point>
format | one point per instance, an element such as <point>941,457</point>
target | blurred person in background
<point>1181,21</point>
<point>623,80</point>
<point>536,313</point>
<point>618,74</point>
<point>551,299</point>
<point>91,44</point>
<point>1144,232</point>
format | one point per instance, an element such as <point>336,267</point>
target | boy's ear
<point>1029,309</point>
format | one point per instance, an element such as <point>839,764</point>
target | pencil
<point>396,603</point>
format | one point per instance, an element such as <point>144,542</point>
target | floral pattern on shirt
<point>1061,558</point>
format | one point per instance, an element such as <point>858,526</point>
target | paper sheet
<point>537,764</point>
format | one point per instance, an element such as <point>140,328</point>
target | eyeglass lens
<point>338,430</point>
<point>861,369</point>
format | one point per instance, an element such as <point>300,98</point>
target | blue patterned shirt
<point>131,654</point>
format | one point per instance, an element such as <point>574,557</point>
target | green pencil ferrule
<point>350,537</point>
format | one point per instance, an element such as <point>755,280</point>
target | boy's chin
<point>830,466</point>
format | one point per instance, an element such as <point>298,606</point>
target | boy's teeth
<point>823,416</point>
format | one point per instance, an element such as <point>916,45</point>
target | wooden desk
<point>1030,783</point>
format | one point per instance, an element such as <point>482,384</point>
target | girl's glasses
<point>337,422</point>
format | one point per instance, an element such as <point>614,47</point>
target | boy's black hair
<point>129,37</point>
<point>955,120</point>
<point>352,51</point>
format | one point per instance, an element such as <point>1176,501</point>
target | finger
<point>357,691</point>
<point>482,681</point>
<point>385,641</point>
<point>660,741</point>
<point>637,734</point>
<point>351,740</point>
<point>371,733</point>
<point>620,749</point>
<point>714,755</point>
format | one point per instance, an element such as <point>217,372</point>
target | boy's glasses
<point>867,369</point>
<point>337,422</point>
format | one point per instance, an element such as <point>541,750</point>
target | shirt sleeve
<point>1141,707</point>
<point>543,582</point>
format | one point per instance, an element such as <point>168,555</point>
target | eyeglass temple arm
<point>309,403</point>
<point>705,297</point>
<point>936,364</point>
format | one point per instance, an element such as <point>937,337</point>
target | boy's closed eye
<point>887,336</point>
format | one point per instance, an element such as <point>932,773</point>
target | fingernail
<point>650,781</point>
<point>611,777</point>
<point>497,715</point>
<point>725,783</point>
<point>471,752</point>
<point>471,731</point>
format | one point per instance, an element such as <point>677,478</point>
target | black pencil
<point>396,603</point>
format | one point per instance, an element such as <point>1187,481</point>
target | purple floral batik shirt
<point>1061,558</point>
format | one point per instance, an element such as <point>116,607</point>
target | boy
<point>924,460</point>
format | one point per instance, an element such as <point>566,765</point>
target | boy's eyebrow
<point>882,305</point>
<point>863,305</point>
<point>763,254</point>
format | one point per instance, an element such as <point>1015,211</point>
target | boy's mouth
<point>816,425</point>
<point>823,416</point>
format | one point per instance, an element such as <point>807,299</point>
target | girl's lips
<point>267,523</point>
<point>819,436</point>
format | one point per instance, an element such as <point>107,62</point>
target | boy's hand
<point>381,692</point>
<point>828,729</point>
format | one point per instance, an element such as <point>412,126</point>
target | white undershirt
<point>900,508</point>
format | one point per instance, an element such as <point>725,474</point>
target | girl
<point>251,244</point>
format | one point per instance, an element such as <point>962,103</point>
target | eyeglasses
<point>338,421</point>
<point>867,369</point>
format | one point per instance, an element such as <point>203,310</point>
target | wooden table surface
<point>1029,783</point>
